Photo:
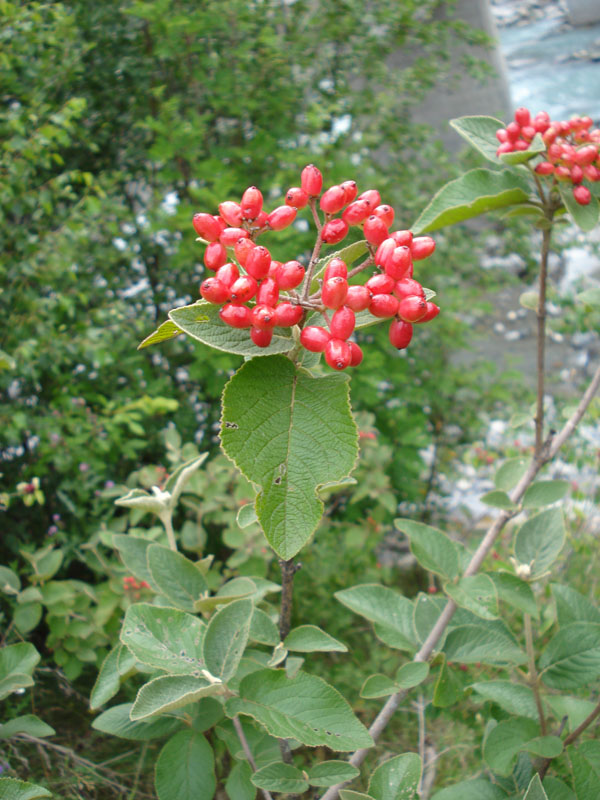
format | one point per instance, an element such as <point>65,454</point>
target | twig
<point>248,753</point>
<point>315,253</point>
<point>533,675</point>
<point>572,737</point>
<point>288,570</point>
<point>366,263</point>
<point>548,451</point>
<point>138,771</point>
<point>541,339</point>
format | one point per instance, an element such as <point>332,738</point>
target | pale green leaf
<point>586,779</point>
<point>239,785</point>
<point>571,606</point>
<point>515,591</point>
<point>529,300</point>
<point>232,590</point>
<point>27,617</point>
<point>116,664</point>
<point>476,593</point>
<point>144,501</point>
<point>329,773</point>
<point>176,577</point>
<point>310,638</point>
<point>280,777</point>
<point>488,642</point>
<point>474,789</point>
<point>575,709</point>
<point>185,769</point>
<point>448,689</point>
<point>378,686</point>
<point>480,132</point>
<point>246,516</point>
<point>432,548</point>
<point>167,330</point>
<point>535,790</point>
<point>17,662</point>
<point>572,657</point>
<point>391,612</point>
<point>226,638</point>
<point>512,697</point>
<point>13,789</point>
<point>536,146</point>
<point>168,692</point>
<point>133,551</point>
<point>116,722</point>
<point>412,674</point>
<point>10,583</point>
<point>585,217</point>
<point>263,629</point>
<point>397,778</point>
<point>510,473</point>
<point>540,540</point>
<point>289,433</point>
<point>29,724</point>
<point>543,493</point>
<point>509,737</point>
<point>497,499</point>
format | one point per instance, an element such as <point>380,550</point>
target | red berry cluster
<point>130,584</point>
<point>255,278</point>
<point>573,148</point>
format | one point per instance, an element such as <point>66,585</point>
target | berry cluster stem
<point>541,338</point>
<point>316,250</point>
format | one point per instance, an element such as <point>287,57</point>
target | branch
<point>533,675</point>
<point>541,340</point>
<point>572,737</point>
<point>549,450</point>
<point>247,752</point>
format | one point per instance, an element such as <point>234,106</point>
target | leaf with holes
<point>289,433</point>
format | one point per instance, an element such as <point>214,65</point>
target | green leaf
<point>13,789</point>
<point>226,638</point>
<point>529,300</point>
<point>378,686</point>
<point>448,689</point>
<point>178,578</point>
<point>512,697</point>
<point>480,133</point>
<point>329,773</point>
<point>515,591</point>
<point>164,638</point>
<point>232,590</point>
<point>571,606</point>
<point>143,501</point>
<point>586,779</point>
<point>498,499</point>
<point>201,321</point>
<point>535,790</point>
<point>488,642</point>
<point>168,692</point>
<point>10,583</point>
<point>280,777</point>
<point>116,722</point>
<point>289,433</point>
<point>590,297</point>
<point>392,613</point>
<point>543,493</point>
<point>574,709</point>
<point>397,778</point>
<point>239,785</point>
<point>133,551</point>
<point>509,737</point>
<point>17,662</point>
<point>310,638</point>
<point>412,674</point>
<point>475,789</point>
<point>557,790</point>
<point>349,794</point>
<point>510,473</point>
<point>585,217</point>
<point>572,658</point>
<point>303,708</point>
<point>185,769</point>
<point>29,724</point>
<point>434,550</point>
<point>116,664</point>
<point>180,477</point>
<point>27,617</point>
<point>167,330</point>
<point>349,254</point>
<point>246,516</point>
<point>540,540</point>
<point>536,146</point>
<point>472,194</point>
<point>263,629</point>
<point>427,610</point>
<point>477,594</point>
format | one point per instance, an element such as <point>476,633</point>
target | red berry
<point>554,152</point>
<point>402,238</point>
<point>258,262</point>
<point>502,135</point>
<point>544,168</point>
<point>521,145</point>
<point>412,309</point>
<point>549,136</point>
<point>356,212</point>
<point>268,292</point>
<point>513,129</point>
<point>541,122</point>
<point>350,191</point>
<point>431,313</point>
<point>592,173</point>
<point>227,274</point>
<point>372,197</point>
<point>384,251</point>
<point>375,230</point>
<point>241,249</point>
<point>358,298</point>
<point>562,173</point>
<point>236,316</point>
<point>338,354</point>
<point>586,155</point>
<point>400,334</point>
<point>214,291</point>
<point>273,269</point>
<point>507,147</point>
<point>281,217</point>
<point>356,354</point>
<point>407,287</point>
<point>582,195</point>
<point>314,338</point>
<point>334,231</point>
<point>263,317</point>
<point>522,116</point>
<point>311,180</point>
<point>333,200</point>
<point>386,213</point>
<point>229,236</point>
<point>334,291</point>
<point>576,173</point>
<point>380,284</point>
<point>342,323</point>
<point>215,255</point>
<point>231,213</point>
<point>422,247</point>
<point>261,336</point>
<point>528,132</point>
<point>336,268</point>
<point>296,197</point>
<point>287,314</point>
<point>290,275</point>
<point>383,305</point>
<point>252,201</point>
<point>261,220</point>
<point>206,226</point>
<point>399,263</point>
<point>243,289</point>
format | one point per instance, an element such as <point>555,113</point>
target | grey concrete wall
<point>583,12</point>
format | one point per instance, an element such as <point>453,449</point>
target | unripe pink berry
<point>214,291</point>
<point>582,195</point>
<point>356,212</point>
<point>422,247</point>
<point>383,305</point>
<point>281,217</point>
<point>412,309</point>
<point>338,354</point>
<point>342,323</point>
<point>258,262</point>
<point>314,338</point>
<point>206,226</point>
<point>400,334</point>
<point>356,354</point>
<point>236,316</point>
<point>231,213</point>
<point>506,147</point>
<point>268,292</point>
<point>263,317</point>
<point>215,255</point>
<point>311,180</point>
<point>380,284</point>
<point>290,275</point>
<point>287,314</point>
<point>228,274</point>
<point>296,197</point>
<point>333,292</point>
<point>261,336</point>
<point>375,230</point>
<point>243,289</point>
<point>336,268</point>
<point>333,200</point>
<point>229,236</point>
<point>334,231</point>
<point>251,204</point>
<point>350,191</point>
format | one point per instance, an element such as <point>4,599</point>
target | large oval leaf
<point>185,769</point>
<point>397,778</point>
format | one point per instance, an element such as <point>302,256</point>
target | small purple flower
<point>52,530</point>
<point>83,467</point>
<point>109,485</point>
<point>56,517</point>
